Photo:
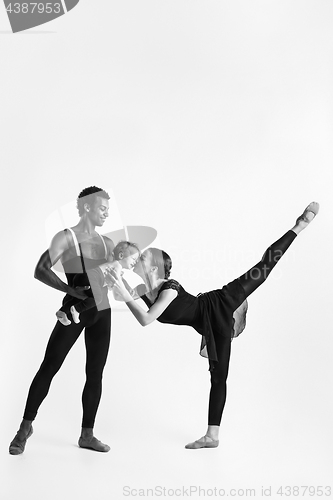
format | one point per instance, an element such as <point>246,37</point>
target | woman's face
<point>143,265</point>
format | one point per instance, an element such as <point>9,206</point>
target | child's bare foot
<point>307,216</point>
<point>75,315</point>
<point>62,317</point>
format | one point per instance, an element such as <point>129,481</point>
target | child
<point>125,255</point>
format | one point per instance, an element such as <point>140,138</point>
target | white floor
<point>274,433</point>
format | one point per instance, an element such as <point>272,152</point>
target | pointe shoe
<point>203,443</point>
<point>313,209</point>
<point>17,446</point>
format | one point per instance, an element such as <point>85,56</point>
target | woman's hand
<point>115,282</point>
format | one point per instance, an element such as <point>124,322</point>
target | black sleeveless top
<point>218,312</point>
<point>80,265</point>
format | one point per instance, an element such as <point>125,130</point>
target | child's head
<point>126,253</point>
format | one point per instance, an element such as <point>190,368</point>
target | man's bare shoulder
<point>109,243</point>
<point>60,238</point>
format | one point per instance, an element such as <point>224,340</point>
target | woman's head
<point>154,259</point>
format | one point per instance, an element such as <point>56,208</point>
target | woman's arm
<point>146,317</point>
<point>117,295</point>
<point>143,317</point>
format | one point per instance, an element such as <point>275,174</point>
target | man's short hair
<point>88,195</point>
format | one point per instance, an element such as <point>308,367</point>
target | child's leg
<point>95,294</point>
<point>69,301</point>
<point>62,313</point>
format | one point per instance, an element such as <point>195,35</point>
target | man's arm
<point>43,270</point>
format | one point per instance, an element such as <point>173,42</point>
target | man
<point>78,249</point>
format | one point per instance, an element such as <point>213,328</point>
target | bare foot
<point>75,315</point>
<point>62,317</point>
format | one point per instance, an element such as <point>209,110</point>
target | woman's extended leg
<point>255,276</point>
<point>250,281</point>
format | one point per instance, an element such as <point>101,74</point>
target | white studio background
<point>212,123</point>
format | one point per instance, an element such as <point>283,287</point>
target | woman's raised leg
<point>250,281</point>
<point>255,276</point>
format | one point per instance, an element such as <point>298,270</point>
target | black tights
<point>250,281</point>
<point>97,326</point>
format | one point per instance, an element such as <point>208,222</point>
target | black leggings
<point>250,281</point>
<point>97,326</point>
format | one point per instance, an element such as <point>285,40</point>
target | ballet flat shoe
<point>86,443</point>
<point>313,207</point>
<point>202,444</point>
<point>17,446</point>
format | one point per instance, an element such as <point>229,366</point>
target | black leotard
<point>210,313</point>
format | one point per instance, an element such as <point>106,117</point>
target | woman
<point>218,315</point>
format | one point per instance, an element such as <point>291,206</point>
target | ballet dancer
<point>78,248</point>
<point>218,315</point>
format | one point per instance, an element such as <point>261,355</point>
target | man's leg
<point>97,337</point>
<point>61,341</point>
